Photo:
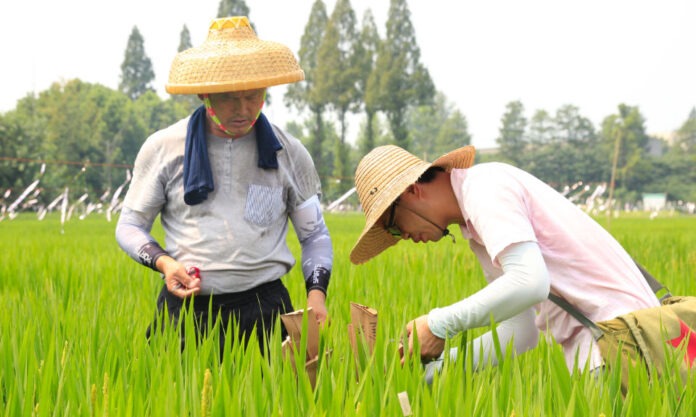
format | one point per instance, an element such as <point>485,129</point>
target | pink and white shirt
<point>505,206</point>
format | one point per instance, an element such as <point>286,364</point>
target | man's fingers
<point>184,289</point>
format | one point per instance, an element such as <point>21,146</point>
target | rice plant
<point>76,308</point>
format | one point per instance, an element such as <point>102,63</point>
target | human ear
<point>411,193</point>
<point>416,190</point>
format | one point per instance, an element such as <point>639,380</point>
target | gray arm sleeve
<point>317,252</point>
<point>133,236</point>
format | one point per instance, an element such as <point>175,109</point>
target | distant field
<point>76,309</point>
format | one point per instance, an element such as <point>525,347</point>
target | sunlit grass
<point>75,311</point>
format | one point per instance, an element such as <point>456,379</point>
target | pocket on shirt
<point>264,204</point>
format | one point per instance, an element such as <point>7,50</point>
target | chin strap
<point>446,232</point>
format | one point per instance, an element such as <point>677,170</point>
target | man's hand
<point>177,280</point>
<point>431,346</point>
<point>317,300</point>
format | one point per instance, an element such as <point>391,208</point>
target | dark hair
<point>429,174</point>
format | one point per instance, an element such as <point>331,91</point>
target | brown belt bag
<point>660,337</point>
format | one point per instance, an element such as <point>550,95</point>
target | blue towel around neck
<point>198,177</point>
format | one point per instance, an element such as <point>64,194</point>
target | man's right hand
<point>176,278</point>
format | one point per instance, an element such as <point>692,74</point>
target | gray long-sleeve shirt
<point>237,237</point>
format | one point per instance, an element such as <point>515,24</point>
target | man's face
<point>237,110</point>
<point>404,222</point>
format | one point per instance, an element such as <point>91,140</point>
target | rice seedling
<point>76,308</point>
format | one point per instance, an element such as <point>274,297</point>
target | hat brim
<point>232,58</point>
<point>374,238</point>
<point>243,85</point>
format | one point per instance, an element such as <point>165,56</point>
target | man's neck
<point>447,200</point>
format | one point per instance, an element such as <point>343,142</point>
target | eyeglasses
<point>391,222</point>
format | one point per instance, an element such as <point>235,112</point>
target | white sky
<point>593,54</point>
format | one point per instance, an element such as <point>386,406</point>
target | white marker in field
<point>405,404</point>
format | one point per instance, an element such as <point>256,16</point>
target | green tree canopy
<point>308,94</point>
<point>232,8</point>
<point>402,79</point>
<point>184,39</point>
<point>437,128</point>
<point>85,132</point>
<point>511,139</point>
<point>624,138</point>
<point>541,128</point>
<point>368,46</point>
<point>188,101</point>
<point>137,74</point>
<point>685,140</point>
<point>572,127</point>
<point>338,65</point>
<point>337,76</point>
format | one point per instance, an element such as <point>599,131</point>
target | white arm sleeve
<point>524,283</point>
<point>520,329</point>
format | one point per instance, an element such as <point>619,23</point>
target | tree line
<point>350,71</point>
<point>564,148</point>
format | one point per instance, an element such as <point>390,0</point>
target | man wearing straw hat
<point>224,182</point>
<point>529,240</point>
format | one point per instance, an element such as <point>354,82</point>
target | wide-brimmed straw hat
<point>232,58</point>
<point>382,175</point>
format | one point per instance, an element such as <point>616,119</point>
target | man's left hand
<point>317,300</point>
<point>431,346</point>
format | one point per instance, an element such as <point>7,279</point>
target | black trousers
<point>256,310</point>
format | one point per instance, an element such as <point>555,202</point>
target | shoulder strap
<point>660,291</point>
<point>570,309</point>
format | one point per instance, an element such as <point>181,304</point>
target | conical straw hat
<point>382,175</point>
<point>232,58</point>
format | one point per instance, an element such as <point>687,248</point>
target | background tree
<point>675,173</point>
<point>437,128</point>
<point>233,8</point>
<point>337,74</point>
<point>572,127</point>
<point>188,101</point>
<point>403,81</point>
<point>577,137</point>
<point>367,87</point>
<point>562,150</point>
<point>685,140</point>
<point>453,133</point>
<point>184,39</point>
<point>137,74</point>
<point>538,141</point>
<point>20,138</point>
<point>624,133</point>
<point>76,125</point>
<point>306,95</point>
<point>542,129</point>
<point>511,139</point>
<point>380,135</point>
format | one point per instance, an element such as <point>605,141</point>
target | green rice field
<point>75,311</point>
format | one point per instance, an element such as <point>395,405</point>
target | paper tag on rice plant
<point>364,320</point>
